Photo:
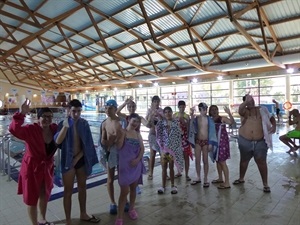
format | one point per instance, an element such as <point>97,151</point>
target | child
<point>223,143</point>
<point>131,167</point>
<point>184,120</point>
<point>169,135</point>
<point>205,140</point>
<point>78,156</point>
<point>110,132</point>
<point>154,114</point>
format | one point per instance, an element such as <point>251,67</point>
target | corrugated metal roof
<point>89,37</point>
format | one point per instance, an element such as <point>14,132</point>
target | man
<point>277,110</point>
<point>78,156</point>
<point>110,132</point>
<point>255,138</point>
<point>287,138</point>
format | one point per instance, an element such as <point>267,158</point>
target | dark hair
<point>155,98</point>
<point>202,105</point>
<point>131,103</point>
<point>244,98</point>
<point>167,108</point>
<point>181,103</point>
<point>210,108</point>
<point>41,111</point>
<point>135,116</point>
<point>75,103</point>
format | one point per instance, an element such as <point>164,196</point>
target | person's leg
<point>32,213</point>
<point>43,203</point>
<point>285,140</point>
<point>225,170</point>
<point>151,162</point>
<point>204,151</point>
<point>219,169</point>
<point>110,184</point>
<point>186,164</point>
<point>198,161</point>
<point>260,157</point>
<point>132,195</point>
<point>68,180</point>
<point>81,185</point>
<point>164,166</point>
<point>124,190</point>
<point>171,168</point>
<point>246,153</point>
<point>263,170</point>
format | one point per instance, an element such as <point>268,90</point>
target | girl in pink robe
<point>36,174</point>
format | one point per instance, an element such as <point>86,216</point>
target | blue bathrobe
<point>89,151</point>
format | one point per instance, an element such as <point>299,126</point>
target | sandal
<point>267,189</point>
<point>174,190</point>
<point>238,182</point>
<point>194,182</point>
<point>119,222</point>
<point>223,187</point>
<point>205,184</point>
<point>161,190</point>
<point>133,214</point>
<point>150,177</point>
<point>187,178</point>
<point>217,181</point>
<point>93,219</point>
<point>45,223</point>
<point>178,175</point>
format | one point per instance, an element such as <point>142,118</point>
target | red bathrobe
<point>36,168</point>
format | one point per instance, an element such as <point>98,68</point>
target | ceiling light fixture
<point>290,70</point>
<point>220,77</point>
<point>140,85</point>
<point>155,84</point>
<point>195,80</point>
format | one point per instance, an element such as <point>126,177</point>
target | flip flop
<point>178,175</point>
<point>205,184</point>
<point>238,182</point>
<point>217,181</point>
<point>45,223</point>
<point>93,219</point>
<point>267,189</point>
<point>223,187</point>
<point>194,182</point>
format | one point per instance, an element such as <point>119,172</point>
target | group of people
<point>172,135</point>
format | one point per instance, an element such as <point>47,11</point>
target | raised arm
<point>118,112</point>
<point>60,136</point>
<point>229,120</point>
<point>16,126</point>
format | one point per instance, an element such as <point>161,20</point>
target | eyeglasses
<point>47,116</point>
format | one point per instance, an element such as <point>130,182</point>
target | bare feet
<point>292,150</point>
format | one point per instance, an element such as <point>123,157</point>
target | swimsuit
<point>201,142</point>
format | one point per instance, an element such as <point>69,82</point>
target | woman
<point>223,143</point>
<point>37,168</point>
<point>131,167</point>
